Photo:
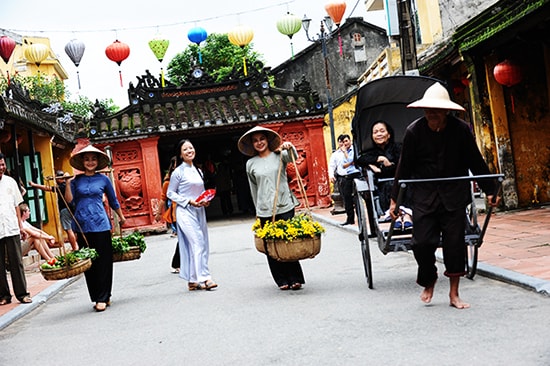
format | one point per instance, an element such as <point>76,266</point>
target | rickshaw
<point>386,99</point>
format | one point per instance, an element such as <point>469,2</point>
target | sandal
<point>5,302</point>
<point>209,285</point>
<point>193,286</point>
<point>296,286</point>
<point>100,306</point>
<point>284,287</point>
<point>26,300</point>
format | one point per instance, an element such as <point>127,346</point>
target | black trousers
<point>346,191</point>
<point>99,278</point>
<point>11,246</point>
<point>284,273</point>
<point>429,227</point>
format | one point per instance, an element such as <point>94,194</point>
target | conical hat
<point>245,142</point>
<point>77,161</point>
<point>437,97</point>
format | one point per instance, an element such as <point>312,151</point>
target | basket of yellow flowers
<point>289,240</point>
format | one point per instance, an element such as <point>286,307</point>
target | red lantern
<point>118,52</point>
<point>507,73</point>
<point>7,45</point>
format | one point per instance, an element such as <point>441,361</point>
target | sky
<point>98,23</point>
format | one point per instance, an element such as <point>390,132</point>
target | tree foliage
<point>219,58</point>
<point>50,91</point>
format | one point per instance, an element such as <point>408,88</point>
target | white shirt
<point>335,163</point>
<point>10,198</point>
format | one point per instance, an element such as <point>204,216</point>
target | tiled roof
<point>16,103</point>
<point>201,105</point>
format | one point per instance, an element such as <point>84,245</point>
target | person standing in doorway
<point>11,233</point>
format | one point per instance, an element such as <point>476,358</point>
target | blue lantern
<point>197,35</point>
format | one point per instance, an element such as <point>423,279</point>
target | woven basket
<point>67,272</point>
<point>133,253</point>
<point>290,251</point>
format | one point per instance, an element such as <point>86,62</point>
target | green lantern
<point>159,47</point>
<point>289,25</point>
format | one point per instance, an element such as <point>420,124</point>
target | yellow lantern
<point>36,53</point>
<point>241,36</point>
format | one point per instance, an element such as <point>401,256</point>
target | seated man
<point>36,238</point>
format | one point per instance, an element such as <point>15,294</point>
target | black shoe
<point>347,223</point>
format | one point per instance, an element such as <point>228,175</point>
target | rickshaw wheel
<point>364,237</point>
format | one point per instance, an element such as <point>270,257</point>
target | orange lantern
<point>336,10</point>
<point>118,52</point>
<point>507,73</point>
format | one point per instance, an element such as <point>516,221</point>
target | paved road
<point>334,320</point>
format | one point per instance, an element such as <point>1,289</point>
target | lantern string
<point>340,42</point>
<point>195,21</point>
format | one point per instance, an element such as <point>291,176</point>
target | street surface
<point>334,320</point>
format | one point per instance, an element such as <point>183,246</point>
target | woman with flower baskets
<point>92,223</point>
<point>267,153</point>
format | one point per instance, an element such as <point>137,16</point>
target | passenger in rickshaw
<point>440,145</point>
<point>382,159</point>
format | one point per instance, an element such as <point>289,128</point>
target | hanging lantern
<point>289,25</point>
<point>159,46</point>
<point>241,36</point>
<point>507,73</point>
<point>336,10</point>
<point>197,35</point>
<point>118,52</point>
<point>75,50</point>
<point>7,45</point>
<point>36,53</point>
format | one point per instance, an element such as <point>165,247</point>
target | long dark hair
<point>179,159</point>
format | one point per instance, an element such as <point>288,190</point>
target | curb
<point>504,275</point>
<point>24,309</point>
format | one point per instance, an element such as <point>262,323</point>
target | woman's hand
<point>286,145</point>
<point>384,161</point>
<point>375,169</point>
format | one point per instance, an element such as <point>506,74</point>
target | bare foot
<point>458,303</point>
<point>427,294</point>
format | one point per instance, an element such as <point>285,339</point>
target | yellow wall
<point>343,114</point>
<point>18,64</point>
<point>429,20</point>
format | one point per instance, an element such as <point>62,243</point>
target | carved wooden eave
<point>504,21</point>
<point>17,106</point>
<point>202,106</point>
